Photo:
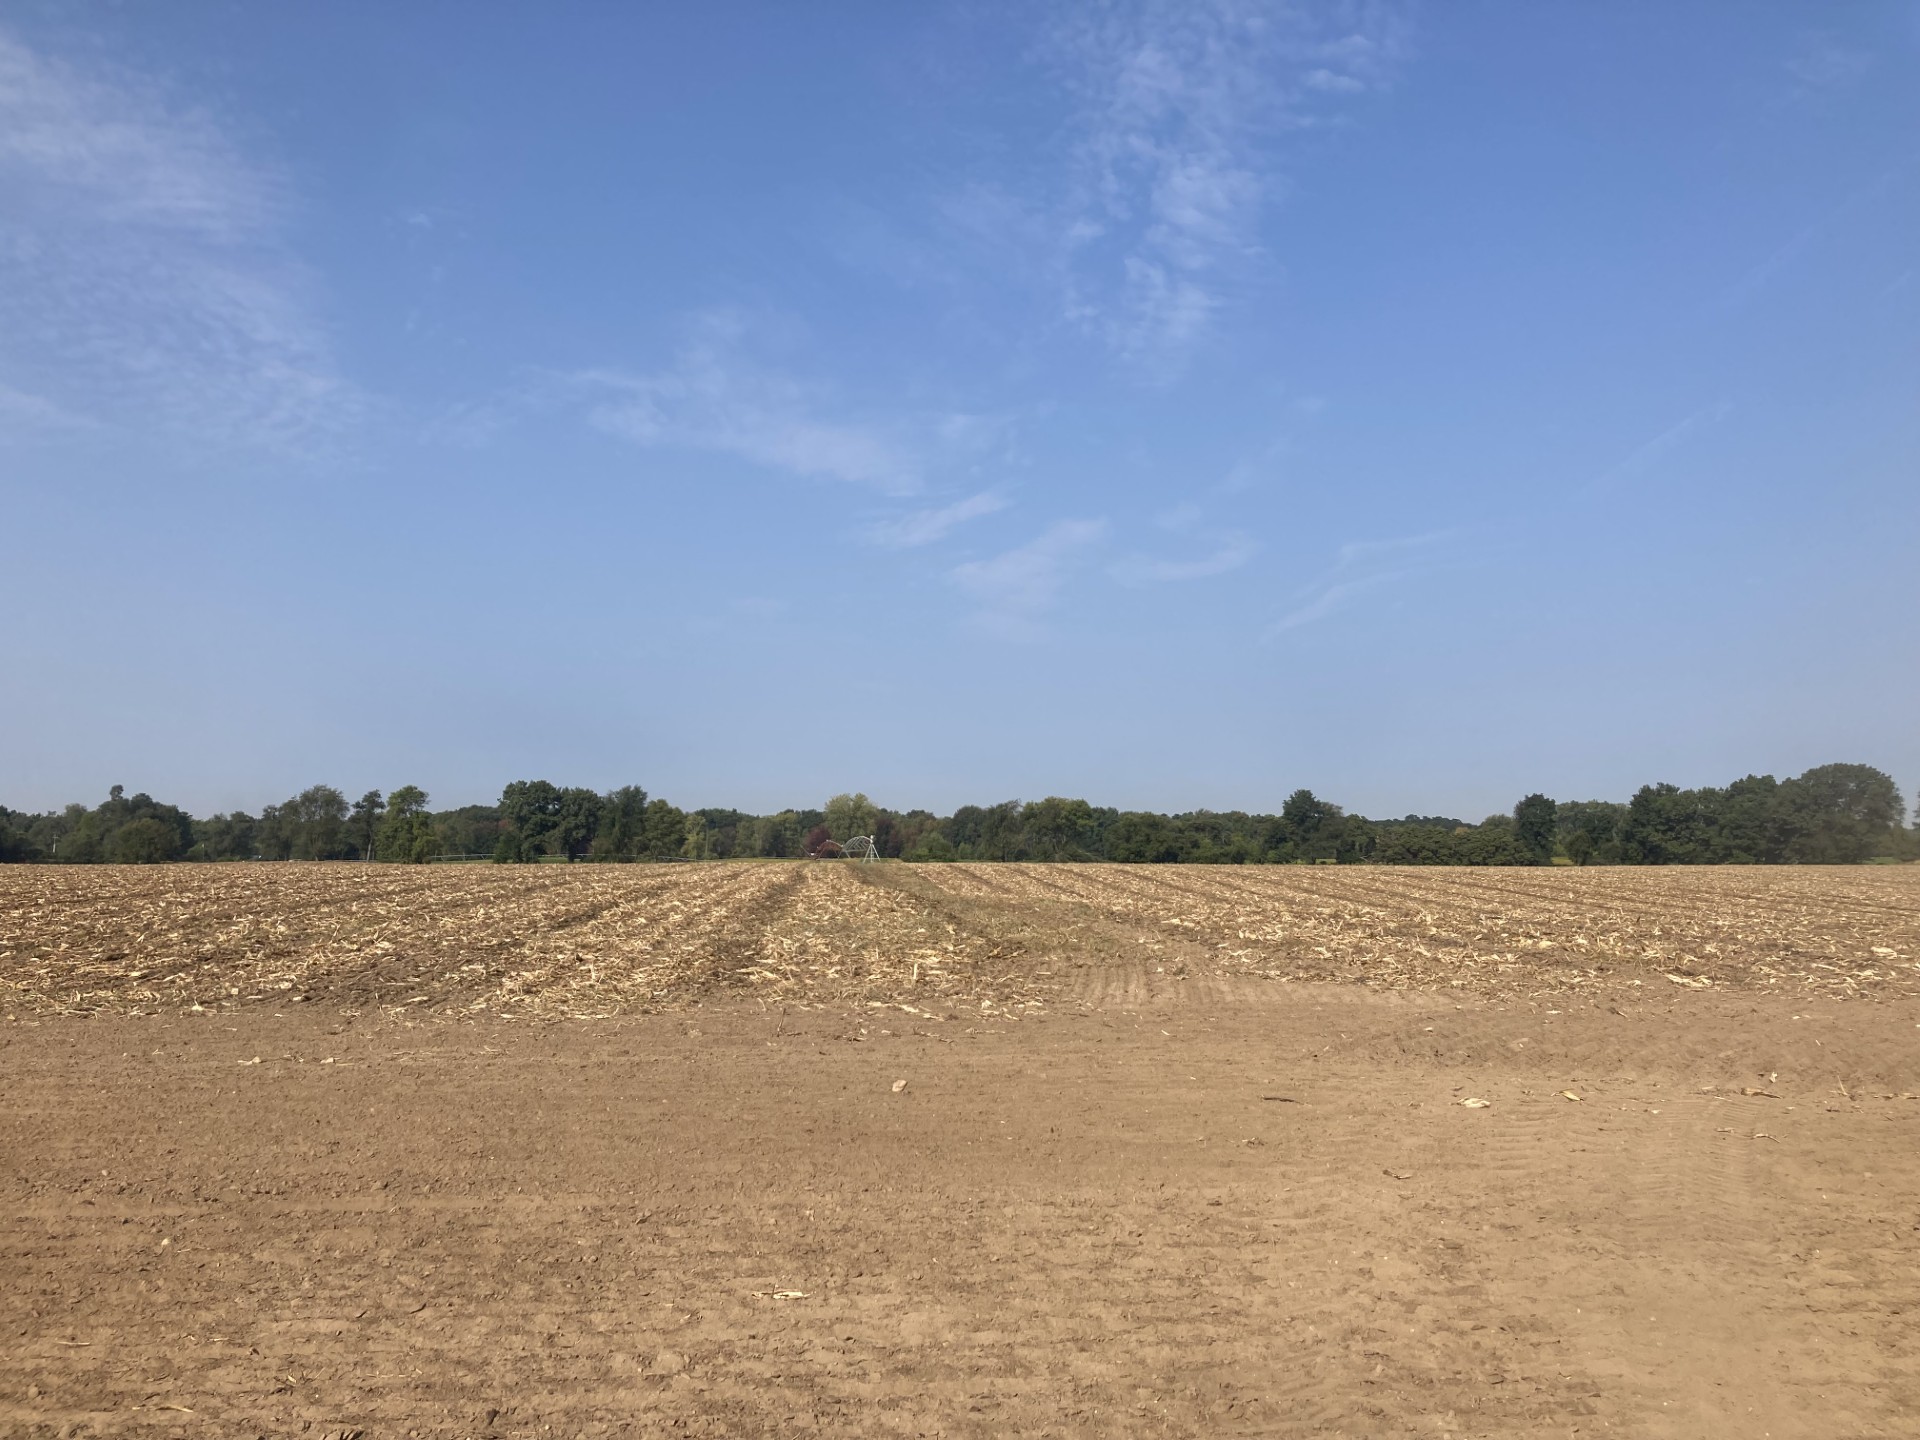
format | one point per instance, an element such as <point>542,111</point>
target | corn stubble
<point>1007,940</point>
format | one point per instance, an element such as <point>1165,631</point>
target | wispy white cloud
<point>1361,554</point>
<point>113,144</point>
<point>923,527</point>
<point>1017,586</point>
<point>1823,63</point>
<point>1759,277</point>
<point>1361,566</point>
<point>716,398</point>
<point>1255,470</point>
<point>23,414</point>
<point>1230,552</point>
<point>1177,107</point>
<point>760,607</point>
<point>1334,81</point>
<point>878,243</point>
<point>1329,600</point>
<point>1180,518</point>
<point>473,424</point>
<point>1667,441</point>
<point>145,279</point>
<point>719,395</point>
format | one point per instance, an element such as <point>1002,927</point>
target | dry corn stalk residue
<point>594,940</point>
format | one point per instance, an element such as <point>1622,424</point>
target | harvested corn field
<point>1081,1151</point>
<point>586,941</point>
<point>605,940</point>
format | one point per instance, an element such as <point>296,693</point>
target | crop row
<point>602,940</point>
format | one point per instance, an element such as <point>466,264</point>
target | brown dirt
<point>1175,1197</point>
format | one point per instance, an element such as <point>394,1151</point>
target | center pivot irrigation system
<point>860,847</point>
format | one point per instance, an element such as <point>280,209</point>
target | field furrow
<point>600,940</point>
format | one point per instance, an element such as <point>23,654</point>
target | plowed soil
<point>1176,1153</point>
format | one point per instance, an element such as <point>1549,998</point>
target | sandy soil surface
<point>1167,1200</point>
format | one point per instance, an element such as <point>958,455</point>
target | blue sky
<point>1168,404</point>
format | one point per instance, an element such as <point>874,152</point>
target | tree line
<point>1833,814</point>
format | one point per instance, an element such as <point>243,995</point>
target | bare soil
<point>1133,1184</point>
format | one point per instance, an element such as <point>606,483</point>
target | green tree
<point>85,843</point>
<point>932,847</point>
<point>1666,825</point>
<point>576,819</point>
<point>532,808</point>
<point>1308,828</point>
<point>470,830</point>
<point>316,821</point>
<point>363,822</point>
<point>144,841</point>
<point>773,836</point>
<point>699,841</point>
<point>850,815</point>
<point>1421,844</point>
<point>18,845</point>
<point>1533,827</point>
<point>1752,826</point>
<point>1494,841</point>
<point>990,832</point>
<point>407,835</point>
<point>1589,830</point>
<point>225,837</point>
<point>623,828</point>
<point>1060,829</point>
<point>45,832</point>
<point>1143,838</point>
<point>513,848</point>
<point>666,831</point>
<point>85,837</point>
<point>1843,814</point>
<point>273,836</point>
<point>728,831</point>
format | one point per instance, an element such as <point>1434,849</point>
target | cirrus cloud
<point>145,277</point>
<point>1015,587</point>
